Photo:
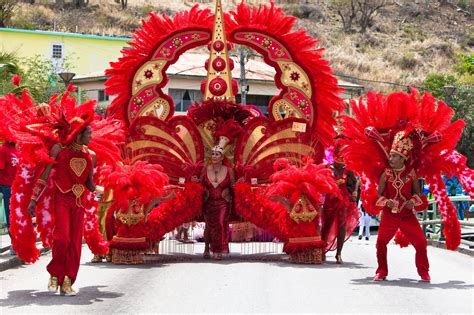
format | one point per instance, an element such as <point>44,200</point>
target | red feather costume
<point>36,128</point>
<point>386,122</point>
<point>340,214</point>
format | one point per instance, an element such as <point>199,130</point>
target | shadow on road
<point>85,296</point>
<point>414,283</point>
<point>280,260</point>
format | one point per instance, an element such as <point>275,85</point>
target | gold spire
<point>219,76</point>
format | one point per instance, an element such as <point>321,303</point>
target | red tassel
<point>401,239</point>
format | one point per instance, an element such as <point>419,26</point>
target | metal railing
<point>432,222</point>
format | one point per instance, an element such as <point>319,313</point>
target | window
<point>261,101</point>
<point>57,56</point>
<point>57,51</point>
<point>102,96</point>
<point>183,99</point>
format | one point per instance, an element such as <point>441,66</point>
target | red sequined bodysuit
<point>216,212</point>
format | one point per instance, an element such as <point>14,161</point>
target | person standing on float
<point>218,181</point>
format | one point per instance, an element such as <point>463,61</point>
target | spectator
<point>8,165</point>
<point>454,188</point>
<point>364,222</point>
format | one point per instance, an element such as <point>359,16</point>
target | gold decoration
<point>159,108</point>
<point>218,34</point>
<point>289,110</point>
<point>402,144</point>
<point>78,165</point>
<point>286,150</point>
<point>255,136</point>
<point>140,80</point>
<point>303,210</point>
<point>127,256</point>
<point>310,256</point>
<point>78,190</point>
<point>134,214</point>
<point>294,76</point>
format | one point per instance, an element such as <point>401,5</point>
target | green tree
<point>9,66</point>
<point>6,11</point>
<point>38,76</point>
<point>462,103</point>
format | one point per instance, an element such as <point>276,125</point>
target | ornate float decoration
<point>301,117</point>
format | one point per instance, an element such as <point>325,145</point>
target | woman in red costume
<point>73,174</point>
<point>218,181</point>
<point>340,214</point>
<point>399,198</point>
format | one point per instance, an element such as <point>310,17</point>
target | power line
<point>380,82</point>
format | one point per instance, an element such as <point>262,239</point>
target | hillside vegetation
<point>403,43</point>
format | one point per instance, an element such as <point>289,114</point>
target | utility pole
<point>243,81</point>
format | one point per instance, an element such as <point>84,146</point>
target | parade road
<point>237,285</point>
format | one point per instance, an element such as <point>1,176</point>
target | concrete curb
<point>14,261</point>
<point>463,249</point>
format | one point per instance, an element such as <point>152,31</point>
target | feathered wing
<point>438,137</point>
<point>262,142</point>
<point>107,138</point>
<point>309,90</point>
<point>24,122</point>
<point>176,145</point>
<point>141,71</point>
<point>28,125</point>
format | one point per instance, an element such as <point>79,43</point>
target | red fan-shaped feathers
<point>20,122</point>
<point>227,128</point>
<point>107,137</point>
<point>311,180</point>
<point>140,180</point>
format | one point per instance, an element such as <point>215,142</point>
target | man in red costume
<point>399,199</point>
<point>73,174</point>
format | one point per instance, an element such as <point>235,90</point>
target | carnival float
<point>151,185</point>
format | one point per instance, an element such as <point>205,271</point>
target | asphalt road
<point>238,285</point>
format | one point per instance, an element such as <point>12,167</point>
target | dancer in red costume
<point>340,215</point>
<point>390,141</point>
<point>218,181</point>
<point>399,198</point>
<point>73,174</point>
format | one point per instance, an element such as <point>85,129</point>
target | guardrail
<point>431,219</point>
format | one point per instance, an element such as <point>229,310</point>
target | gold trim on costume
<point>129,239</point>
<point>77,119</point>
<point>78,190</point>
<point>77,147</point>
<point>255,136</point>
<point>303,210</point>
<point>154,108</point>
<point>132,216</point>
<point>304,239</point>
<point>417,200</point>
<point>287,149</point>
<point>78,165</point>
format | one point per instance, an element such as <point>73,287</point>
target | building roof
<point>192,65</point>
